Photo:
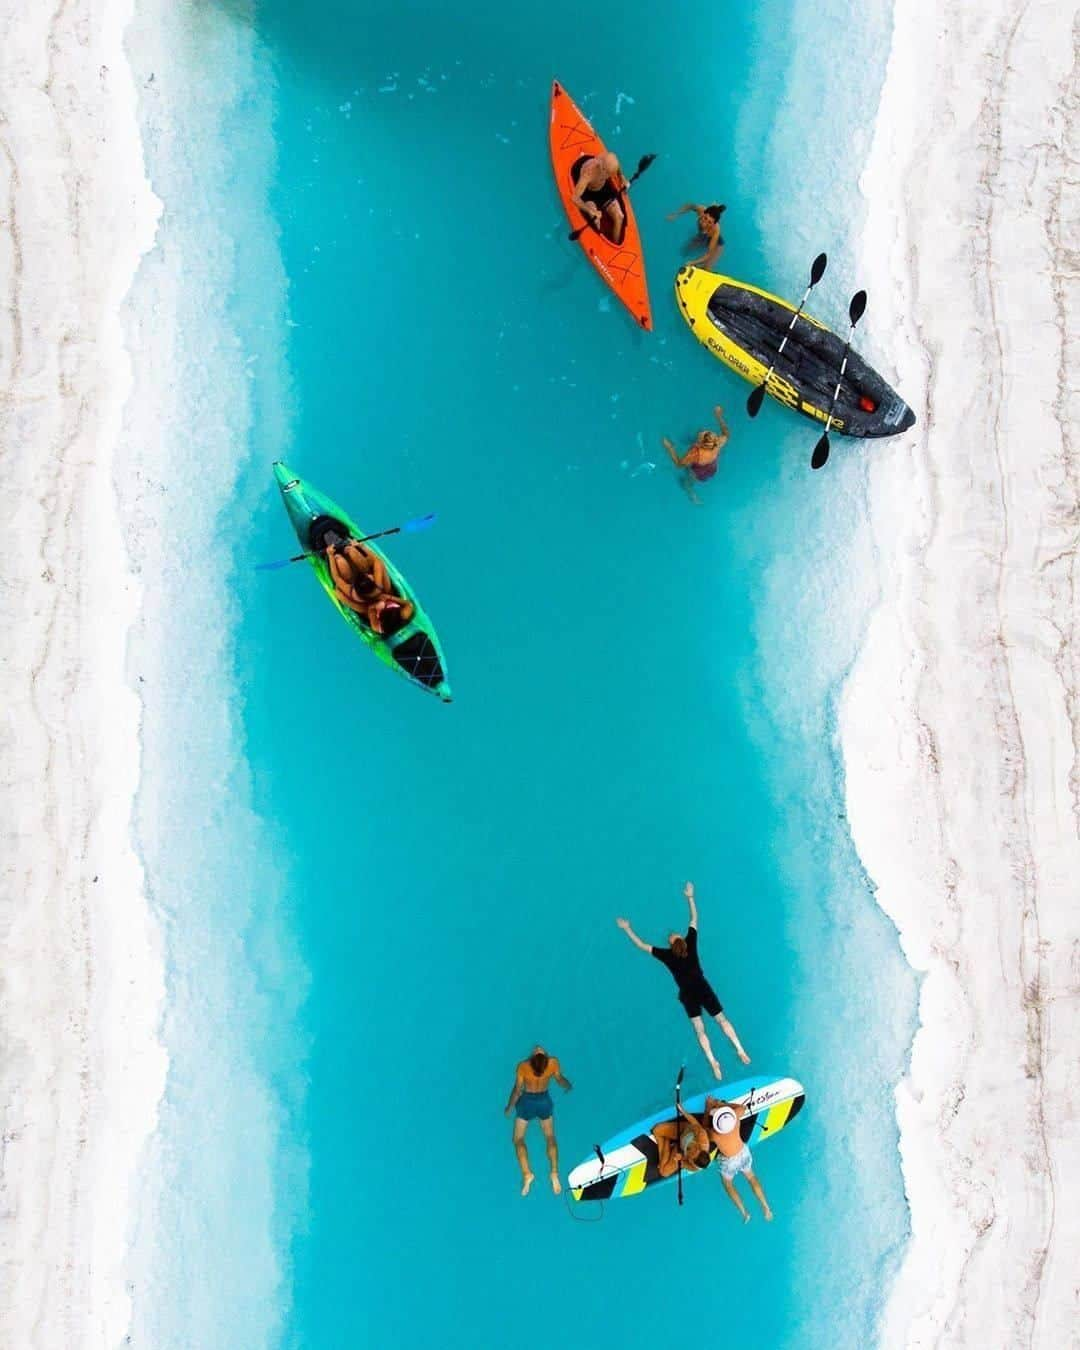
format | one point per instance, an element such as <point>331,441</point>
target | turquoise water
<point>643,693</point>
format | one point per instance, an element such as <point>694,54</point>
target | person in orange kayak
<point>598,187</point>
<point>532,1098</point>
<point>703,458</point>
<point>733,1155</point>
<point>681,1141</point>
<point>708,222</point>
<point>695,992</point>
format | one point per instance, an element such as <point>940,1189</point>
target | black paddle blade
<point>857,307</point>
<point>643,164</point>
<point>817,268</point>
<point>821,453</point>
<point>756,399</point>
<point>678,1081</point>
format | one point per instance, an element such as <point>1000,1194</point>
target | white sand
<point>81,1070</point>
<point>960,721</point>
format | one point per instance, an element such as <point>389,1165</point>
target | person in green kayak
<point>598,187</point>
<point>708,223</point>
<point>362,584</point>
<point>696,994</point>
<point>702,460</point>
<point>733,1156</point>
<point>532,1099</point>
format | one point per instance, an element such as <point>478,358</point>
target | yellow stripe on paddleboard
<point>777,1117</point>
<point>635,1178</point>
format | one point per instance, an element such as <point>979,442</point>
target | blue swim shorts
<point>731,1167</point>
<point>534,1106</point>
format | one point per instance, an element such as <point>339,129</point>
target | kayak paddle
<point>643,164</point>
<point>678,1124</point>
<point>410,527</point>
<point>817,271</point>
<point>855,312</point>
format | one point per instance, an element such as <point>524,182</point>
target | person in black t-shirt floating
<point>695,992</point>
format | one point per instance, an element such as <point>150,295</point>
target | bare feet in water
<point>744,1057</point>
<point>528,1179</point>
<point>556,1185</point>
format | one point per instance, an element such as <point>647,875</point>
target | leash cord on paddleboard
<point>572,1205</point>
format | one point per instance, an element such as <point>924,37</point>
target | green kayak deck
<point>415,651</point>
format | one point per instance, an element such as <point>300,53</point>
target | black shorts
<point>599,197</point>
<point>703,998</point>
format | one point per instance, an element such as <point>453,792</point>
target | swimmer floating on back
<point>695,992</point>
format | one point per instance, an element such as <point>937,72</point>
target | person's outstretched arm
<point>514,1095</point>
<point>688,891</point>
<point>624,924</point>
<point>683,210</point>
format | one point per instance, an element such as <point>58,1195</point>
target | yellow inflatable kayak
<point>744,326</point>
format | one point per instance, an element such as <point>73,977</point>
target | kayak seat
<point>417,657</point>
<point>318,528</point>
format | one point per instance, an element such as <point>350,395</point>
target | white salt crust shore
<point>81,982</point>
<point>960,721</point>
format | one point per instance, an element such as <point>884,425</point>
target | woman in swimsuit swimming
<point>703,458</point>
<point>598,185</point>
<point>708,222</point>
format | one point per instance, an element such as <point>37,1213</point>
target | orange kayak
<point>621,265</point>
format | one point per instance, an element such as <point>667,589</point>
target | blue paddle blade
<point>273,567</point>
<point>420,523</point>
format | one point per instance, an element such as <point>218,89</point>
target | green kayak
<point>414,651</point>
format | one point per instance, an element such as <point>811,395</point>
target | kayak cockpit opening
<point>322,526</point>
<point>417,657</point>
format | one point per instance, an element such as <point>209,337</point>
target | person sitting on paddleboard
<point>681,1141</point>
<point>703,458</point>
<point>598,185</point>
<point>695,992</point>
<point>733,1155</point>
<point>708,221</point>
<point>532,1098</point>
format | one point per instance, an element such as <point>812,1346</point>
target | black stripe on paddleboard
<point>601,1189</point>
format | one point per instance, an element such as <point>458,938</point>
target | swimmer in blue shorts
<point>532,1099</point>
